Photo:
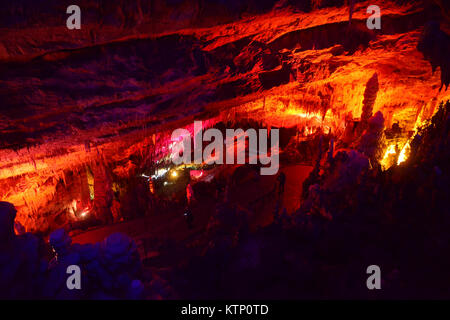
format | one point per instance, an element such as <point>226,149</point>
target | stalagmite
<point>370,95</point>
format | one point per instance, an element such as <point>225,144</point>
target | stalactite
<point>63,175</point>
<point>435,46</point>
<point>331,151</point>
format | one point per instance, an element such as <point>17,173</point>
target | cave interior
<point>87,171</point>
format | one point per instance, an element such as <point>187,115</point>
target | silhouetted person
<point>189,218</point>
<point>281,182</point>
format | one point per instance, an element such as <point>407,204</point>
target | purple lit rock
<point>7,216</point>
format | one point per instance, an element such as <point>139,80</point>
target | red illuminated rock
<point>117,88</point>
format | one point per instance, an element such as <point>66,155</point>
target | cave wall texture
<point>104,95</point>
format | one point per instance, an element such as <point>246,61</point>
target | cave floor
<point>253,195</point>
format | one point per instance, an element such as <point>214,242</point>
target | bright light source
<point>404,153</point>
<point>84,213</point>
<point>159,173</point>
<point>174,174</point>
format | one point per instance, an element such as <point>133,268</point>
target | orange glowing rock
<point>284,68</point>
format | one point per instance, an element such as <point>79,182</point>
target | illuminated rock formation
<point>113,91</point>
